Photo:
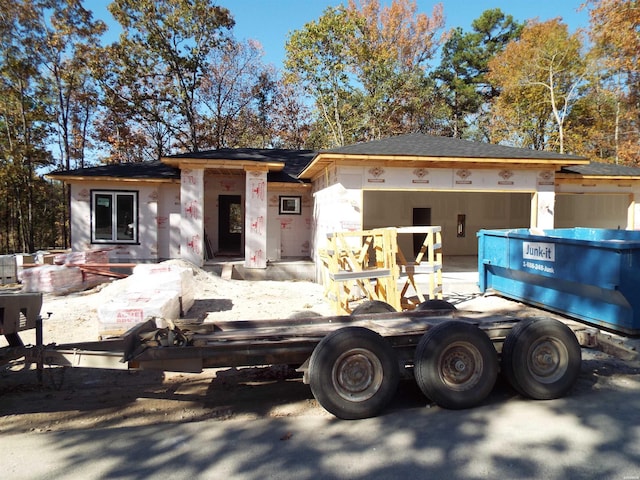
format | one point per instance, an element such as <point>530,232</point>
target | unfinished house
<point>268,205</point>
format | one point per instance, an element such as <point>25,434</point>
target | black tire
<point>353,373</point>
<point>436,304</point>
<point>541,358</point>
<point>373,306</point>
<point>456,365</point>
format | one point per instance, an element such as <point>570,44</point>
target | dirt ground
<point>71,399</point>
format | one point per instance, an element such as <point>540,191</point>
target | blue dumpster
<point>590,274</point>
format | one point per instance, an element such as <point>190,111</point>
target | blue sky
<point>270,21</point>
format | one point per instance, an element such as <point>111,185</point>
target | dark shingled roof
<point>418,144</point>
<point>250,154</point>
<point>603,169</point>
<point>294,160</point>
<point>141,170</point>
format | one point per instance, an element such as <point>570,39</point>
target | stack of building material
<point>8,269</point>
<point>68,272</point>
<point>170,278</point>
<point>161,292</point>
<point>51,279</point>
<point>84,260</point>
<point>81,258</point>
<point>121,314</point>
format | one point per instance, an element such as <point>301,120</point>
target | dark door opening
<point>230,222</point>
<point>421,218</point>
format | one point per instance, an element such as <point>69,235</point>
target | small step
<point>227,271</point>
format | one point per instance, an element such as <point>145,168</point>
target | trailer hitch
<point>146,335</point>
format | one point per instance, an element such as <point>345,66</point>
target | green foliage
<point>177,80</point>
<point>317,60</point>
<point>161,58</point>
<point>539,76</point>
<point>364,66</point>
<point>615,79</point>
<point>462,72</point>
<point>45,97</point>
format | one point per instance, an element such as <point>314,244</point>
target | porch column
<point>192,217</point>
<point>543,210</point>
<point>633,212</point>
<point>255,219</point>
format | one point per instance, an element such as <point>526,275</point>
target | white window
<point>114,217</point>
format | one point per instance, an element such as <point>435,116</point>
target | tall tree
<point>539,73</point>
<point>292,119</point>
<point>364,65</point>
<point>456,79</point>
<point>44,100</point>
<point>161,58</point>
<point>234,87</point>
<point>137,109</point>
<point>616,50</point>
<point>63,35</point>
<point>389,56</point>
<point>464,66</point>
<point>317,60</point>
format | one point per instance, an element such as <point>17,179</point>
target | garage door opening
<point>480,210</point>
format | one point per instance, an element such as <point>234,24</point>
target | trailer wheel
<point>353,373</point>
<point>456,365</point>
<point>436,304</point>
<point>373,306</point>
<point>541,358</point>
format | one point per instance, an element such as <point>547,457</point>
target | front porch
<point>459,273</point>
<point>289,269</point>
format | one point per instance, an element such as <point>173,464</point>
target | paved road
<point>594,433</point>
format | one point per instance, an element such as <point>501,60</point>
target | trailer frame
<point>461,366</point>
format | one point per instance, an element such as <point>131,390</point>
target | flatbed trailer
<point>353,363</point>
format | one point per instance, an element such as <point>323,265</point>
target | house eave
<point>91,178</point>
<point>222,164</point>
<point>290,185</point>
<point>574,178</point>
<point>326,160</point>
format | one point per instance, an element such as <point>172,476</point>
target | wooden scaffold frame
<point>369,265</point>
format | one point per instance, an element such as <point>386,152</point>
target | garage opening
<point>591,210</point>
<point>447,209</point>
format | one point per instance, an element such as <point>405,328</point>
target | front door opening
<point>421,218</point>
<point>230,222</point>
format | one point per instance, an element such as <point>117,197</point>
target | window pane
<point>125,219</point>
<point>103,217</point>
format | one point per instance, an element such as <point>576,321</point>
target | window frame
<point>114,194</point>
<point>290,205</point>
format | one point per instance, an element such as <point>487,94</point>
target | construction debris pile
<point>161,292</point>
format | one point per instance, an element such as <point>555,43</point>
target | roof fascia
<point>204,163</point>
<point>97,178</point>
<point>289,185</point>
<point>323,160</point>
<point>575,178</point>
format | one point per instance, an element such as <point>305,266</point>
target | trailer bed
<point>239,343</point>
<point>354,362</point>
